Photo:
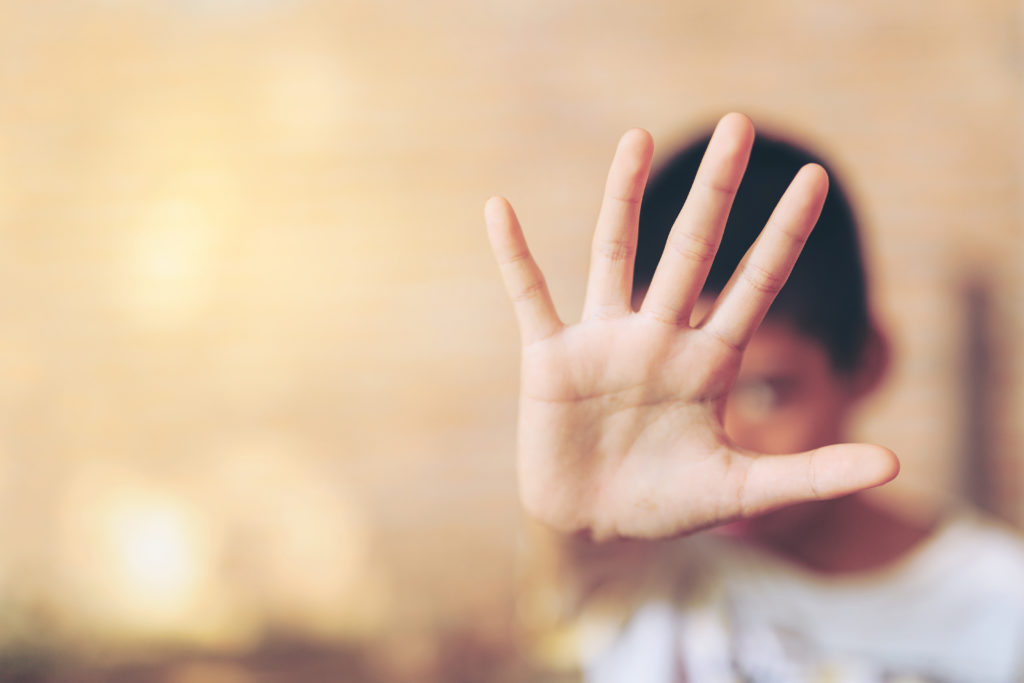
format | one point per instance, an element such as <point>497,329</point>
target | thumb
<point>774,481</point>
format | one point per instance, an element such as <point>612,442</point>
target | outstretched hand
<point>620,425</point>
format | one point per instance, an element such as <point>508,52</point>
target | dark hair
<point>826,295</point>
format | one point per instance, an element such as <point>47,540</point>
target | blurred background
<point>257,371</point>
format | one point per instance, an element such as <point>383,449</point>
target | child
<point>666,410</point>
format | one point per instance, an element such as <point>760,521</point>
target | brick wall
<point>236,231</point>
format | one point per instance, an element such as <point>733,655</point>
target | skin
<point>788,397</point>
<point>621,423</point>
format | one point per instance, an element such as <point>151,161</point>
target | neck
<point>844,535</point>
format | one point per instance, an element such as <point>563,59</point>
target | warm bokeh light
<point>136,558</point>
<point>292,530</point>
<point>168,262</point>
<point>155,556</point>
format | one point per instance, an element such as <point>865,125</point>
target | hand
<point>620,425</point>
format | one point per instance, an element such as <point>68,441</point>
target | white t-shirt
<point>951,611</point>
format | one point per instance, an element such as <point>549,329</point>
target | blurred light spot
<point>136,559</point>
<point>169,264</point>
<point>295,537</point>
<point>155,553</point>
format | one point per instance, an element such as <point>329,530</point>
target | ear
<point>874,364</point>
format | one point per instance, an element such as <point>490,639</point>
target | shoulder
<point>981,548</point>
<point>971,571</point>
<point>972,575</point>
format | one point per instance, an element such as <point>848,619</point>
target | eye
<point>756,399</point>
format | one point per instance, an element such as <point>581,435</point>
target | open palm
<point>620,425</point>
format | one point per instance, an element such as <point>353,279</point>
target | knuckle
<point>725,340</point>
<point>514,258</point>
<point>528,291</point>
<point>661,313</point>
<point>814,479</point>
<point>604,312</point>
<point>716,186</point>
<point>796,237</point>
<point>692,247</point>
<point>628,199</point>
<point>616,250</point>
<point>762,279</point>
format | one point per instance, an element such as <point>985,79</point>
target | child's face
<point>788,398</point>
